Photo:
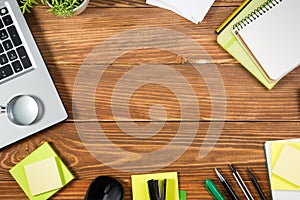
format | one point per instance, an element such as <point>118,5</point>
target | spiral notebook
<point>229,42</point>
<point>271,35</point>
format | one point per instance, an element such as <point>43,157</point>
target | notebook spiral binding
<point>260,10</point>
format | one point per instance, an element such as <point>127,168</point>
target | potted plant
<point>62,8</point>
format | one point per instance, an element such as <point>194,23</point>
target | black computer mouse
<point>105,188</point>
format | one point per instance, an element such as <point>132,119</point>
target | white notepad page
<point>193,10</point>
<point>274,38</point>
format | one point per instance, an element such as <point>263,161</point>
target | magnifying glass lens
<point>23,110</point>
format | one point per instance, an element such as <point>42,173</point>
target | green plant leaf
<point>62,8</point>
<point>26,5</point>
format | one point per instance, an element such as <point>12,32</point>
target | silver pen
<point>241,183</point>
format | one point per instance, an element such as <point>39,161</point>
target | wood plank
<point>246,98</point>
<point>81,34</point>
<point>241,143</point>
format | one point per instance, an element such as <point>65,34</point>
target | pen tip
<point>216,170</point>
<point>219,174</point>
<point>232,168</point>
<point>249,172</point>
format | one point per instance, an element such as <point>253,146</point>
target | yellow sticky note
<point>140,185</point>
<point>277,181</point>
<point>287,165</point>
<point>43,176</point>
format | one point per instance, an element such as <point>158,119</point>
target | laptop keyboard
<point>13,56</point>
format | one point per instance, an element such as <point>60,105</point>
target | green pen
<point>213,190</point>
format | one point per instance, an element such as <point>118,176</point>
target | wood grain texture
<point>240,143</point>
<point>65,49</point>
<point>253,114</point>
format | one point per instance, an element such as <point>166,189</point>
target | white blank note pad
<point>273,37</point>
<point>43,176</point>
<point>287,165</point>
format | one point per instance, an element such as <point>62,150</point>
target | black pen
<point>164,190</point>
<point>256,185</point>
<point>241,183</point>
<point>227,186</point>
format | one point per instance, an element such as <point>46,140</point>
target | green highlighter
<point>213,190</point>
<point>182,195</point>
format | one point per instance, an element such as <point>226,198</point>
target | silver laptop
<point>28,98</point>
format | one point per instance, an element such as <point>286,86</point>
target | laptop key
<point>7,45</point>
<point>3,11</point>
<point>6,71</point>
<point>3,59</point>
<point>1,49</point>
<point>7,20</point>
<point>12,55</point>
<point>17,66</point>
<point>3,34</point>
<point>1,23</point>
<point>24,57</point>
<point>14,35</point>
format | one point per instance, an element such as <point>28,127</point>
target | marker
<point>227,187</point>
<point>256,185</point>
<point>241,183</point>
<point>182,195</point>
<point>231,16</point>
<point>213,190</point>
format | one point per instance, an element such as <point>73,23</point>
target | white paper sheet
<point>193,10</point>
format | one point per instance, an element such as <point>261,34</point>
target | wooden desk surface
<point>253,114</point>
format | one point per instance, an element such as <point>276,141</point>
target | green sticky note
<point>140,186</point>
<point>182,195</point>
<point>42,153</point>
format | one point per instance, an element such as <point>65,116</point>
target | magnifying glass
<point>23,110</point>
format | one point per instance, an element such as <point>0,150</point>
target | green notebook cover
<point>43,152</point>
<point>229,42</point>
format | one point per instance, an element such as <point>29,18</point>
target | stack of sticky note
<point>193,10</point>
<point>140,186</point>
<point>283,159</point>
<point>42,173</point>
